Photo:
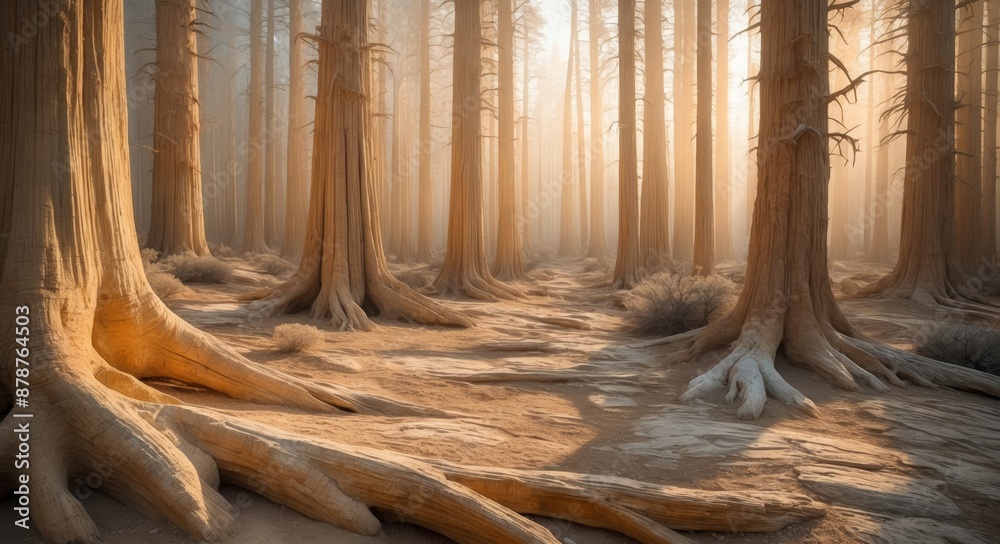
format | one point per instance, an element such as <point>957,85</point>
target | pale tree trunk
<point>928,268</point>
<point>425,201</point>
<point>465,269</point>
<point>568,243</point>
<point>787,300</point>
<point>253,222</point>
<point>297,199</point>
<point>581,143</point>
<point>628,264</point>
<point>394,245</point>
<point>992,97</point>
<point>704,209</point>
<point>97,328</point>
<point>507,262</point>
<point>723,183</point>
<point>177,218</point>
<point>598,247</point>
<point>230,228</point>
<point>871,145</point>
<point>343,266</point>
<point>685,45</point>
<point>969,229</point>
<point>654,219</point>
<point>272,236</point>
<point>879,250</point>
<point>526,216</point>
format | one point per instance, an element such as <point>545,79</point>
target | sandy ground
<point>911,466</point>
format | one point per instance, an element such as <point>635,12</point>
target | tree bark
<point>297,200</point>
<point>272,235</point>
<point>598,247</point>
<point>723,183</point>
<point>581,143</point>
<point>685,45</point>
<point>507,262</point>
<point>752,141</point>
<point>253,222</point>
<point>526,217</point>
<point>969,227</point>
<point>787,300</point>
<point>992,97</point>
<point>465,269</point>
<point>654,217</point>
<point>628,264</point>
<point>704,210</point>
<point>568,242</point>
<point>177,218</point>
<point>425,213</point>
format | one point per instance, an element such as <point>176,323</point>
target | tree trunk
<point>425,213</point>
<point>343,268</point>
<point>253,223</point>
<point>878,215</point>
<point>928,268</point>
<point>272,236</point>
<point>704,210</point>
<point>568,243</point>
<point>654,217</point>
<point>581,144</point>
<point>628,265</point>
<point>598,247</point>
<point>969,227</point>
<point>177,218</point>
<point>685,44</point>
<point>787,300</point>
<point>526,216</point>
<point>991,108</point>
<point>507,263</point>
<point>723,183</point>
<point>297,201</point>
<point>465,269</point>
<point>752,140</point>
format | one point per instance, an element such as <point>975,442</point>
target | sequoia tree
<point>992,97</point>
<point>581,139</point>
<point>628,264</point>
<point>270,140</point>
<point>597,248</point>
<point>425,185</point>
<point>704,206</point>
<point>177,218</point>
<point>723,181</point>
<point>654,218</point>
<point>297,197</point>
<point>568,242</point>
<point>787,300</point>
<point>969,229</point>
<point>465,268</point>
<point>97,328</point>
<point>253,217</point>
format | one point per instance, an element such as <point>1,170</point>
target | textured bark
<point>598,246</point>
<point>628,264</point>
<point>928,268</point>
<point>526,216</point>
<point>425,200</point>
<point>343,268</point>
<point>991,108</point>
<point>465,269</point>
<point>969,227</point>
<point>297,199</point>
<point>568,242</point>
<point>272,235</point>
<point>787,300</point>
<point>253,222</point>
<point>399,181</point>
<point>871,144</point>
<point>752,140</point>
<point>704,208</point>
<point>507,262</point>
<point>581,139</point>
<point>654,218</point>
<point>685,46</point>
<point>177,218</point>
<point>723,183</point>
<point>879,250</point>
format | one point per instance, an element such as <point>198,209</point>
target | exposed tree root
<point>477,286</point>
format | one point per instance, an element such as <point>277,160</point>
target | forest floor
<point>551,382</point>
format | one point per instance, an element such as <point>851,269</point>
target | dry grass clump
<point>294,337</point>
<point>592,264</point>
<point>163,283</point>
<point>273,265</point>
<point>418,279</point>
<point>970,345</point>
<point>192,269</point>
<point>666,303</point>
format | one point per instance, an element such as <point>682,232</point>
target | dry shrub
<point>163,283</point>
<point>416,278</point>
<point>592,264</point>
<point>273,265</point>
<point>293,337</point>
<point>222,250</point>
<point>963,344</point>
<point>192,269</point>
<point>667,304</point>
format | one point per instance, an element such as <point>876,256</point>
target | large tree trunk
<point>526,216</point>
<point>253,222</point>
<point>598,247</point>
<point>654,218</point>
<point>787,300</point>
<point>465,269</point>
<point>879,251</point>
<point>297,200</point>
<point>723,181</point>
<point>704,209</point>
<point>177,218</point>
<point>992,97</point>
<point>507,263</point>
<point>628,265</point>
<point>343,268</point>
<point>685,45</point>
<point>272,235</point>
<point>568,243</point>
<point>752,140</point>
<point>95,327</point>
<point>581,143</point>
<point>425,201</point>
<point>969,229</point>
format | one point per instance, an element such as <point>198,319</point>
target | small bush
<point>963,344</point>
<point>293,337</point>
<point>667,304</point>
<point>591,264</point>
<point>164,284</point>
<point>417,279</point>
<point>149,256</point>
<point>191,269</point>
<point>273,265</point>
